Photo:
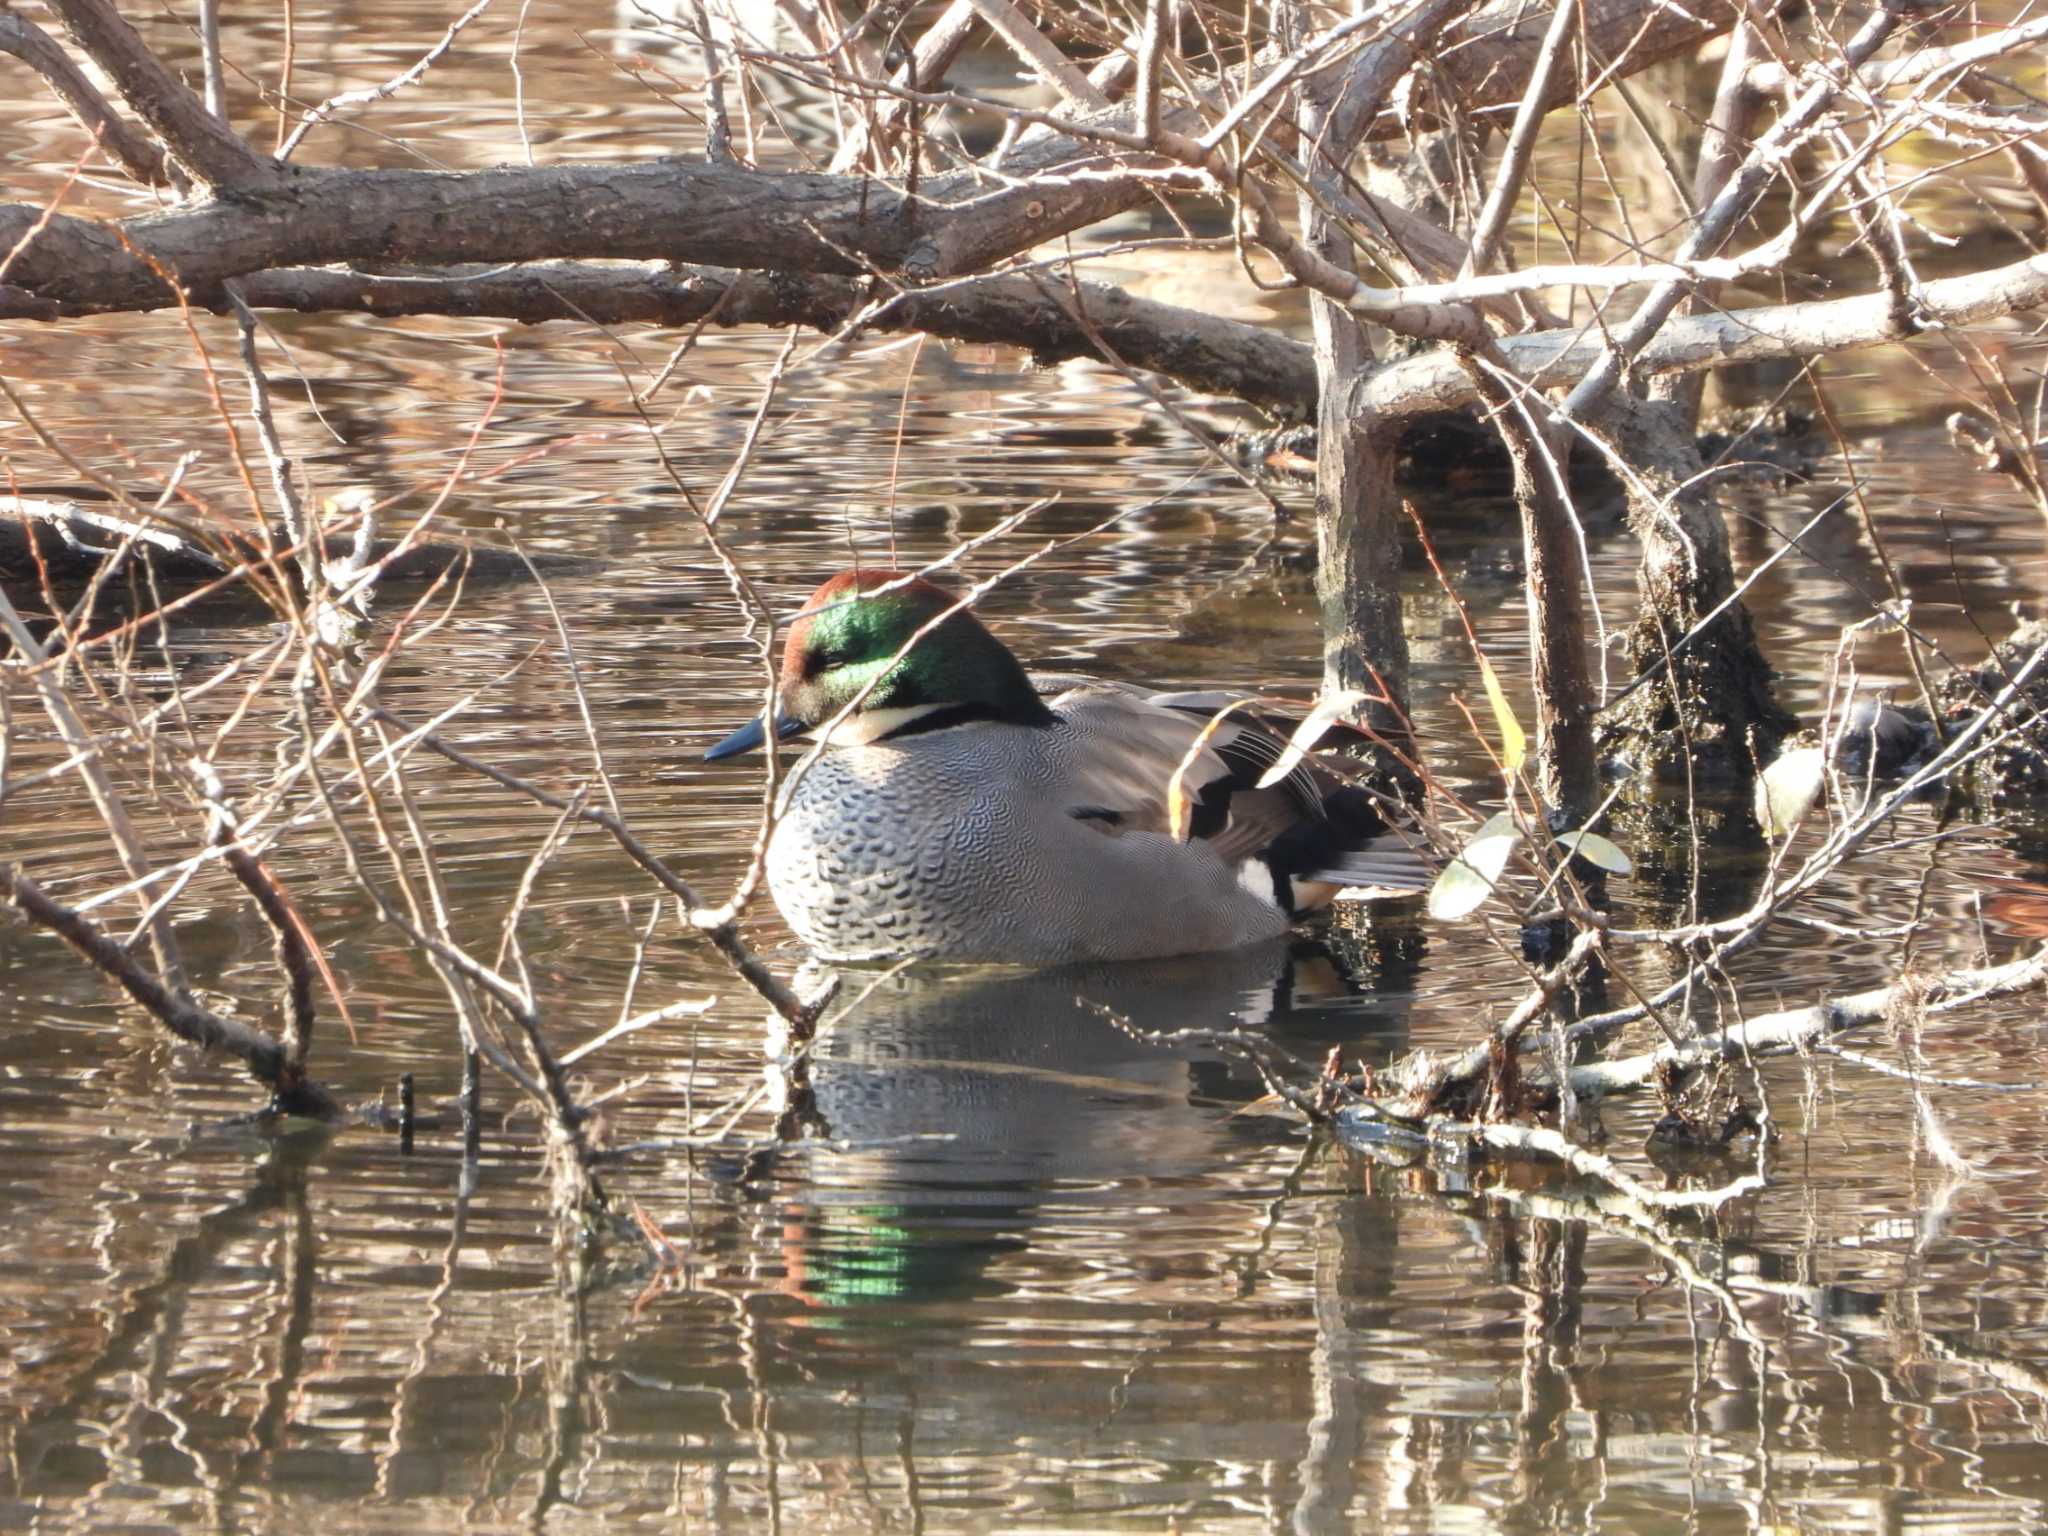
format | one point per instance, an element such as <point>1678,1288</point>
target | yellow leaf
<point>1180,810</point>
<point>1514,746</point>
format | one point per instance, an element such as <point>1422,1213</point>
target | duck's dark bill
<point>750,736</point>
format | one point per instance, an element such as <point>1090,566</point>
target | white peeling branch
<point>1552,359</point>
<point>1794,1029</point>
<point>1539,1141</point>
<point>1923,64</point>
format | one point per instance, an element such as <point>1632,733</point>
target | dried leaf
<point>1180,810</point>
<point>1333,707</point>
<point>1471,877</point>
<point>1514,745</point>
<point>1595,850</point>
<point>1788,788</point>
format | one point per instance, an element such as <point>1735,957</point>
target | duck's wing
<point>1250,740</point>
<point>1125,744</point>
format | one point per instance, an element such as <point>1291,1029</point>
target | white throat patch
<point>870,725</point>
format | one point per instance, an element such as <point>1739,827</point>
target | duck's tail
<point>1378,870</point>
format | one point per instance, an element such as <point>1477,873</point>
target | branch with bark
<point>277,1065</point>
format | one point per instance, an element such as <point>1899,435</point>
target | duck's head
<point>850,634</point>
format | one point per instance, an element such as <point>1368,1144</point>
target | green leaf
<point>1471,877</point>
<point>1595,850</point>
<point>1787,789</point>
<point>1514,745</point>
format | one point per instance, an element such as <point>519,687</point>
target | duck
<point>965,810</point>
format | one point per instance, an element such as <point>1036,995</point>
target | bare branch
<point>1791,1029</point>
<point>106,799</point>
<point>1745,184</point>
<point>663,211</point>
<point>389,88</point>
<point>724,937</point>
<point>1224,357</point>
<point>1550,358</point>
<point>1923,64</point>
<point>1514,162</point>
<point>269,1062</point>
<point>209,59</point>
<point>1029,44</point>
<point>718,141</point>
<point>1537,1141</point>
<point>926,69</point>
<point>288,932</point>
<point>298,526</point>
<point>1150,45</point>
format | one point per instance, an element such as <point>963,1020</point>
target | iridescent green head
<point>850,634</point>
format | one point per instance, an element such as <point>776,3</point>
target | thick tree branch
<point>1218,356</point>
<point>721,215</point>
<point>140,158</point>
<point>667,210</point>
<point>1205,352</point>
<point>213,152</point>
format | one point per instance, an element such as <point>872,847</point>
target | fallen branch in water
<point>268,1060</point>
<point>1787,1032</point>
<point>1540,1142</point>
<point>1793,1030</point>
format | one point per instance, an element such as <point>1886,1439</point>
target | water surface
<point>1043,1275</point>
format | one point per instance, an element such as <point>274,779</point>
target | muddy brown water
<point>1045,1277</point>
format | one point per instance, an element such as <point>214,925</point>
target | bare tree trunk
<point>1358,534</point>
<point>1559,626</point>
<point>1706,698</point>
<point>1358,541</point>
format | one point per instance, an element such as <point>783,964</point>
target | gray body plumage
<point>1030,844</point>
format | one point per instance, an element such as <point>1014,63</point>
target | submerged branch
<point>268,1060</point>
<point>724,936</point>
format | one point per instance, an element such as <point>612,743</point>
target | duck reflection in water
<point>969,1100</point>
